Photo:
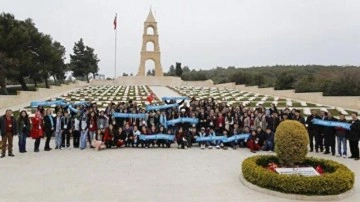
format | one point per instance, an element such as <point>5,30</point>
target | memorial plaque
<point>306,171</point>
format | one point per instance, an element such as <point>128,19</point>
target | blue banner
<point>243,136</point>
<point>157,137</point>
<point>237,137</point>
<point>46,103</point>
<point>210,138</point>
<point>331,123</point>
<point>81,103</point>
<point>159,107</point>
<point>182,120</point>
<point>174,98</point>
<point>124,115</point>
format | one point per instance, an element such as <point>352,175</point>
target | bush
<point>291,140</point>
<point>337,178</point>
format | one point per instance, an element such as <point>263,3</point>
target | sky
<point>203,34</point>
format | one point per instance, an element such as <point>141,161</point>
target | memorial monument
<point>150,36</point>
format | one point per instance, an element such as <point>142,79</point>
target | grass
<point>257,99</point>
<point>334,112</point>
<point>296,104</point>
<point>311,104</point>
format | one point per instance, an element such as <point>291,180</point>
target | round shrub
<point>291,140</point>
<point>337,178</point>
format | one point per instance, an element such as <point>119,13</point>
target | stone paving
<point>133,174</point>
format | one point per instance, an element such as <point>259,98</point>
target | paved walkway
<point>162,91</point>
<point>132,174</point>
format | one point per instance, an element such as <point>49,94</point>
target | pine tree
<point>83,61</point>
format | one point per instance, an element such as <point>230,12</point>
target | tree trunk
<point>55,81</point>
<point>22,82</point>
<point>4,90</point>
<point>35,83</point>
<point>46,83</point>
<point>3,84</point>
<point>87,79</point>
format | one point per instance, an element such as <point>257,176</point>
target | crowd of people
<point>100,129</point>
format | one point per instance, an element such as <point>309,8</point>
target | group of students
<point>101,129</point>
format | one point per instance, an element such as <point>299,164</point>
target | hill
<point>331,80</point>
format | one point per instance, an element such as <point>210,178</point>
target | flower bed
<point>336,179</point>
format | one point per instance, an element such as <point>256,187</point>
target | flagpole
<point>115,43</point>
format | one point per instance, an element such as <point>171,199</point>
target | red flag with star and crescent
<point>115,22</point>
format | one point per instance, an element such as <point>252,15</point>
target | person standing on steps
<point>37,130</point>
<point>49,127</point>
<point>8,127</point>
<point>24,130</point>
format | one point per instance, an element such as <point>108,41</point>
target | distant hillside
<point>332,80</point>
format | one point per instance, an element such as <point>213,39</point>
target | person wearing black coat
<point>354,136</point>
<point>320,130</point>
<point>66,127</point>
<point>49,127</point>
<point>273,122</point>
<point>8,128</point>
<point>329,136</point>
<point>313,131</point>
<point>24,130</point>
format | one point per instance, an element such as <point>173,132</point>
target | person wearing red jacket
<point>109,136</point>
<point>220,123</point>
<point>252,142</point>
<point>37,130</point>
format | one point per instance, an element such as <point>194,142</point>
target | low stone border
<point>295,196</point>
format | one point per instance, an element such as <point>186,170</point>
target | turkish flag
<point>115,21</point>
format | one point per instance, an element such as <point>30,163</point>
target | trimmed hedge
<point>291,141</point>
<point>336,179</point>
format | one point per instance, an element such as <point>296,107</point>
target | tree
<point>285,81</point>
<point>150,72</point>
<point>171,71</point>
<point>178,69</point>
<point>58,68</point>
<point>83,61</point>
<point>258,79</point>
<point>16,39</point>
<point>4,63</point>
<point>186,69</point>
<point>92,60</point>
<point>28,53</point>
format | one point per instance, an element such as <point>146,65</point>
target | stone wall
<point>347,102</point>
<point>141,80</point>
<point>24,98</point>
<point>152,81</point>
<point>207,83</point>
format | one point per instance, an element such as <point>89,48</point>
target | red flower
<point>319,169</point>
<point>272,166</point>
